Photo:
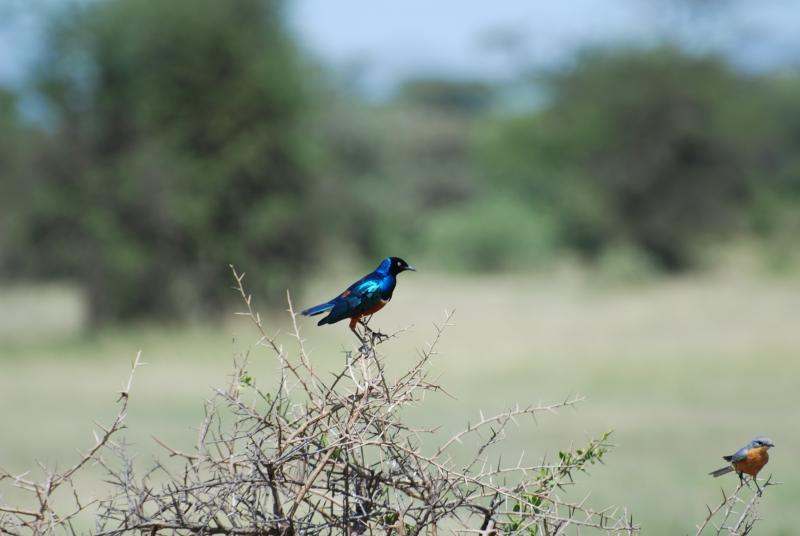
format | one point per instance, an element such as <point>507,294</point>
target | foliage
<point>453,96</point>
<point>176,146</point>
<point>185,136</point>
<point>12,143</point>
<point>654,149</point>
<point>637,160</point>
<point>569,461</point>
<point>397,165</point>
<point>491,234</point>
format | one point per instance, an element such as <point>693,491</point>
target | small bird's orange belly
<point>755,461</point>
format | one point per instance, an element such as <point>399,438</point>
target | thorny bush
<point>326,454</point>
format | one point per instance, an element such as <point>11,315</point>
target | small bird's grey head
<point>761,441</point>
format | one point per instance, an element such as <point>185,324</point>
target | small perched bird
<point>363,298</point>
<point>749,459</point>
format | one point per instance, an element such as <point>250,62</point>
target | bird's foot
<point>376,336</point>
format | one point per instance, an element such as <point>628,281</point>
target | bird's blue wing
<point>739,455</point>
<point>366,294</point>
<point>359,297</point>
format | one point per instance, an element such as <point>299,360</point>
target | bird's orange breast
<point>756,459</point>
<point>377,307</point>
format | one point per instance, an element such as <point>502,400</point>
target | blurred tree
<point>398,163</point>
<point>770,141</point>
<point>16,141</point>
<point>634,148</point>
<point>178,145</point>
<point>490,234</point>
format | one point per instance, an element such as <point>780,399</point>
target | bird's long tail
<point>723,471</point>
<point>318,309</point>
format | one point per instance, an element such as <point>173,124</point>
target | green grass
<point>683,371</point>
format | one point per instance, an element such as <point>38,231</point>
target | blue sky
<point>392,39</point>
<point>386,41</point>
<point>389,40</point>
<point>20,28</point>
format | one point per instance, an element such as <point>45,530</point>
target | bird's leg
<point>758,488</point>
<point>368,333</point>
<point>353,322</point>
<point>741,478</point>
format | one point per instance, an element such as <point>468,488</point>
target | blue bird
<point>363,298</point>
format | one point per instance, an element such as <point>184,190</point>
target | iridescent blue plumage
<point>364,297</point>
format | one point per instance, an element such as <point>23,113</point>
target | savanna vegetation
<point>174,139</point>
<point>159,142</point>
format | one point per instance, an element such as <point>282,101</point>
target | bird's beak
<point>409,267</point>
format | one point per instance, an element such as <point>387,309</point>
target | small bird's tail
<point>318,309</point>
<point>719,472</point>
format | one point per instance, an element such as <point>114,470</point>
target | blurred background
<point>606,191</point>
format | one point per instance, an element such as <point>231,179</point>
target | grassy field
<point>683,371</point>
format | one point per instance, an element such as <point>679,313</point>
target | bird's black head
<point>397,265</point>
